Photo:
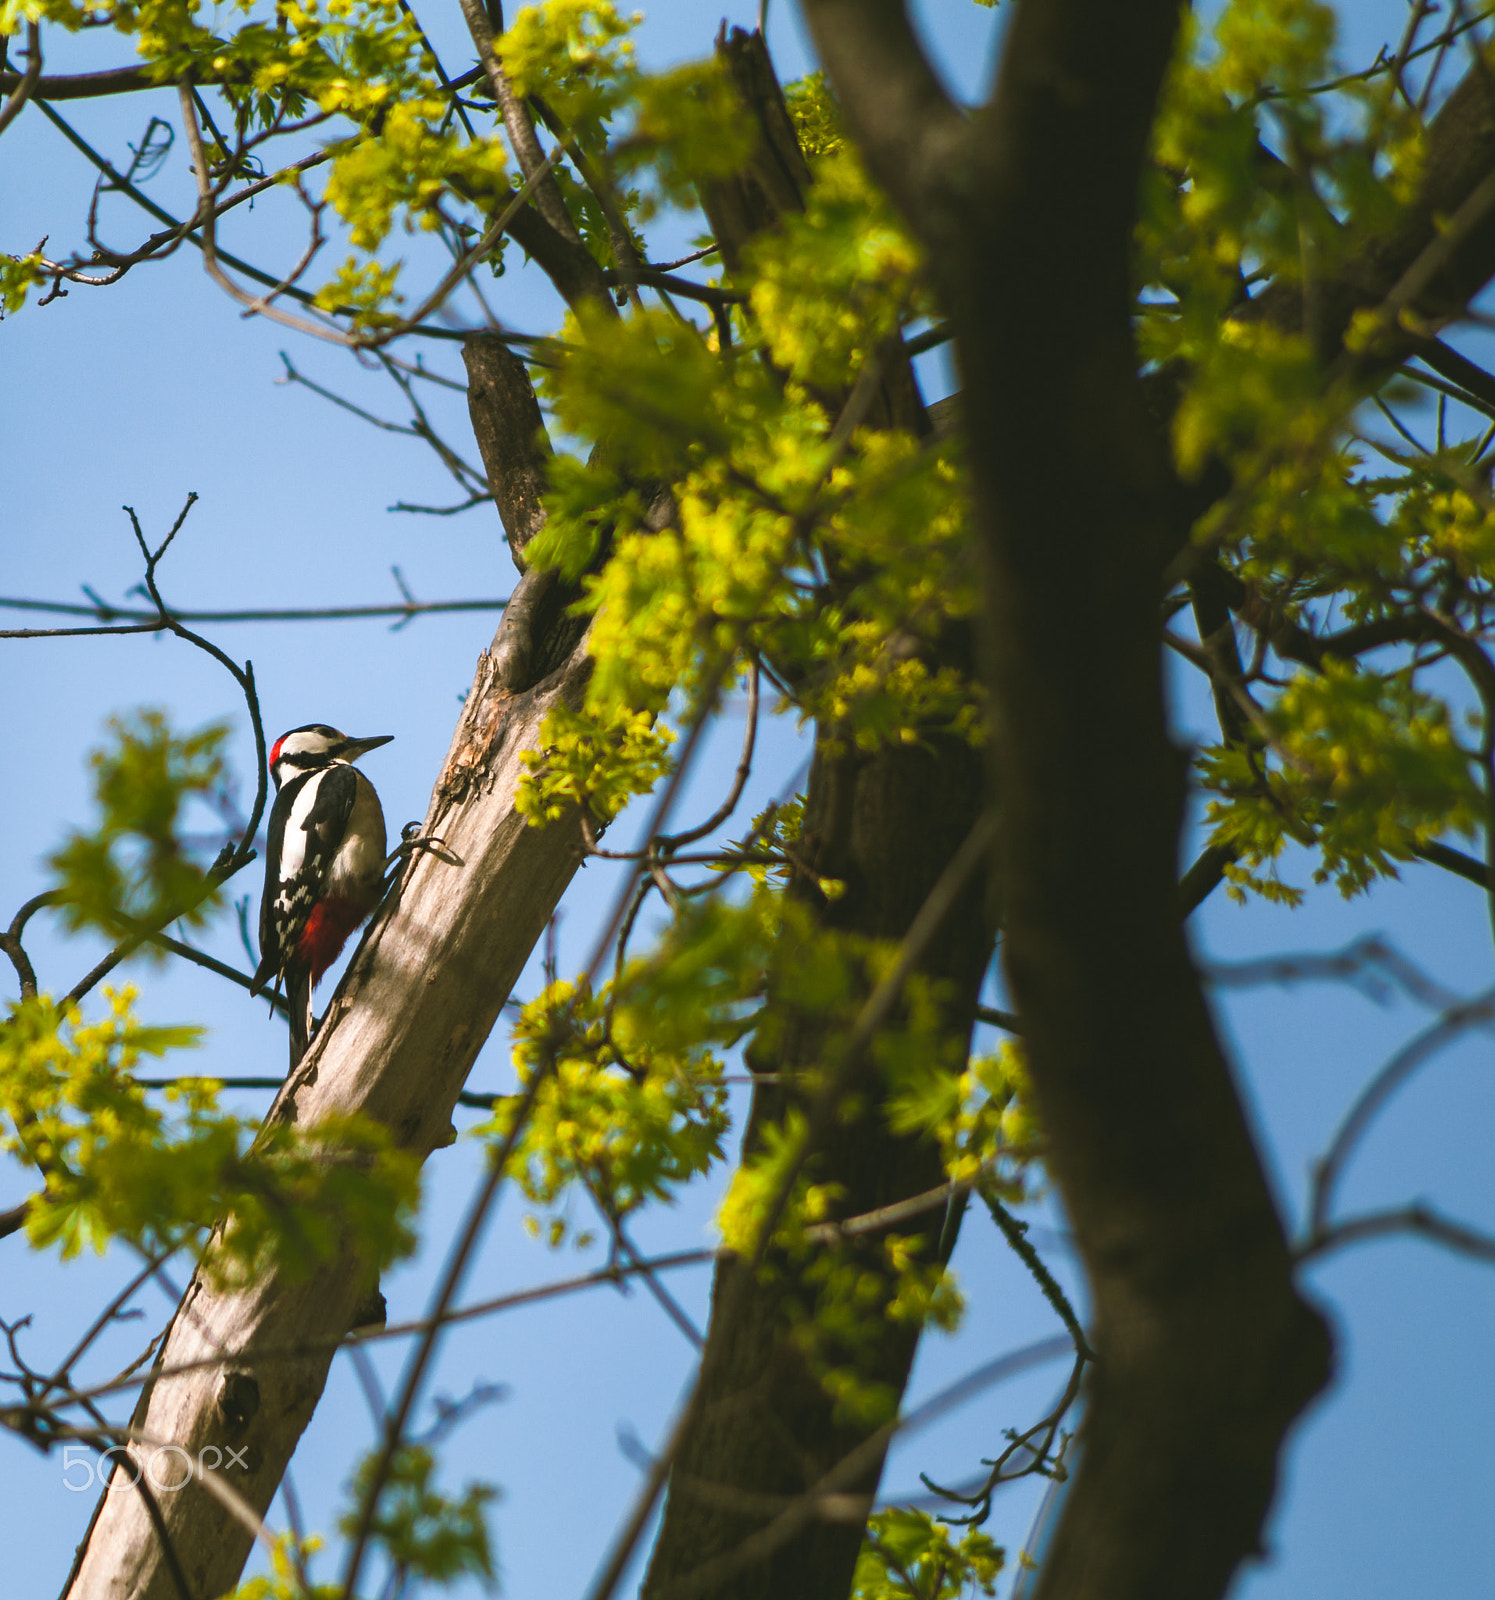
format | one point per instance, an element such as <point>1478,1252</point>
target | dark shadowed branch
<point>1457,1020</point>
<point>1419,1220</point>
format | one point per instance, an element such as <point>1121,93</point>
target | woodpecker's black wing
<point>270,962</point>
<point>274,832</point>
<point>307,824</point>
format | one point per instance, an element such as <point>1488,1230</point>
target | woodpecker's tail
<point>298,1002</point>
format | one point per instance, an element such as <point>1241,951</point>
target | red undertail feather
<point>326,932</point>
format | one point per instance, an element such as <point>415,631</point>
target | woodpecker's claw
<point>412,841</point>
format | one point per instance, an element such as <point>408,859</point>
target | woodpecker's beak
<point>351,749</point>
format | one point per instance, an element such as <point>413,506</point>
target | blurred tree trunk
<point>1207,1353</point>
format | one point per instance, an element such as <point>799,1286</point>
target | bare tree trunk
<point>400,1035</point>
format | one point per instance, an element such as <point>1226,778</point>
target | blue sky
<point>142,392</point>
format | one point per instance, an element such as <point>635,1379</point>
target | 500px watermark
<point>166,1467</point>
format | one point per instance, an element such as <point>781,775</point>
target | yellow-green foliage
<point>689,128</point>
<point>699,988</point>
<point>982,1116</point>
<point>408,166</point>
<point>18,276</point>
<point>844,1291</point>
<point>684,125</point>
<point>907,1555</point>
<point>1284,44</point>
<point>748,522</point>
<point>366,290</point>
<point>831,285</point>
<point>626,1119</point>
<point>576,54</point>
<point>159,1173</point>
<point>598,763</point>
<point>132,870</point>
<point>423,1531</point>
<point>765,508</point>
<point>763,1176</point>
<point>815,115</point>
<point>1268,160</point>
<point>1363,764</point>
<point>844,1295</point>
<point>289,1558</point>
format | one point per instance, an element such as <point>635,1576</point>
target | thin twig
<point>854,1466</point>
<point>1006,1020</point>
<point>826,1233</point>
<point>1377,1092</point>
<point>1415,1219</point>
<point>154,623</point>
<point>364,340</point>
<point>670,843</point>
<point>233,859</point>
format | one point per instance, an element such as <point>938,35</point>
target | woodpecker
<point>324,863</point>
